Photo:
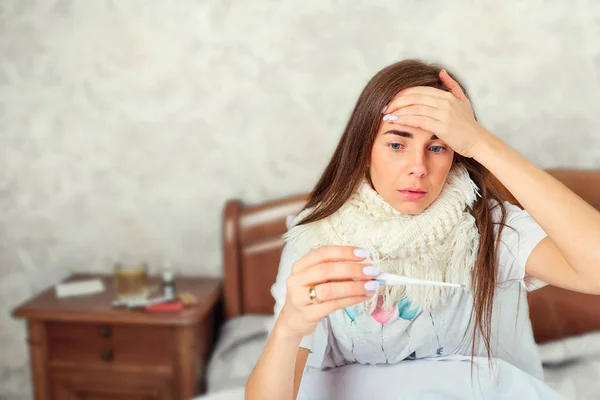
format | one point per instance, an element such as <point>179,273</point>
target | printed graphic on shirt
<point>405,311</point>
<point>379,314</point>
<point>352,313</point>
<point>440,349</point>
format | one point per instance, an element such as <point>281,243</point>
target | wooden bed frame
<point>252,247</point>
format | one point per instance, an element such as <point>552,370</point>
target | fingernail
<point>384,108</point>
<point>371,270</point>
<point>372,285</point>
<point>369,294</point>
<point>362,253</point>
<point>390,117</point>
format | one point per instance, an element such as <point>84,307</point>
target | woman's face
<point>408,166</point>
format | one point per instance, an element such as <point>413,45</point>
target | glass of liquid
<point>131,281</point>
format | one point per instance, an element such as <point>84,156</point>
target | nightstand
<point>82,348</point>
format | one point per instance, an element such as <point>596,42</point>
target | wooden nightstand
<point>82,348</point>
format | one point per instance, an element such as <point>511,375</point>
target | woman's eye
<point>437,149</point>
<point>395,146</point>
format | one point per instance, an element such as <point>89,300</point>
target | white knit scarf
<point>440,243</point>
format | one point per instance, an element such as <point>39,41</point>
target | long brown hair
<point>349,165</point>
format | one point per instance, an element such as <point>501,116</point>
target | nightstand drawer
<point>77,383</point>
<point>110,344</point>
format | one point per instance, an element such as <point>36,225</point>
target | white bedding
<point>571,366</point>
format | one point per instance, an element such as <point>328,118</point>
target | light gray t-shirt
<point>346,337</point>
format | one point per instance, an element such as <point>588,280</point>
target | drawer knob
<point>104,331</point>
<point>106,355</point>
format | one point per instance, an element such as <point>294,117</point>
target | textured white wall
<point>125,125</point>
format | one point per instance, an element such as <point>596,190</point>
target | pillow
<point>569,349</point>
<point>239,345</point>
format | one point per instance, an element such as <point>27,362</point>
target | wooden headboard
<point>252,244</point>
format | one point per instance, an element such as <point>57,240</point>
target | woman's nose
<point>418,167</point>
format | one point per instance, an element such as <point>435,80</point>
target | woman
<point>418,189</point>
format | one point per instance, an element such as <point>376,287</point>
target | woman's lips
<point>412,195</point>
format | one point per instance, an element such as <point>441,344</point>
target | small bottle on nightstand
<point>168,285</point>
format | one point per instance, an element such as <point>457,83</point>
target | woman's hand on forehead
<point>448,115</point>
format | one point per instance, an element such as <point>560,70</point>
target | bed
<point>566,324</point>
